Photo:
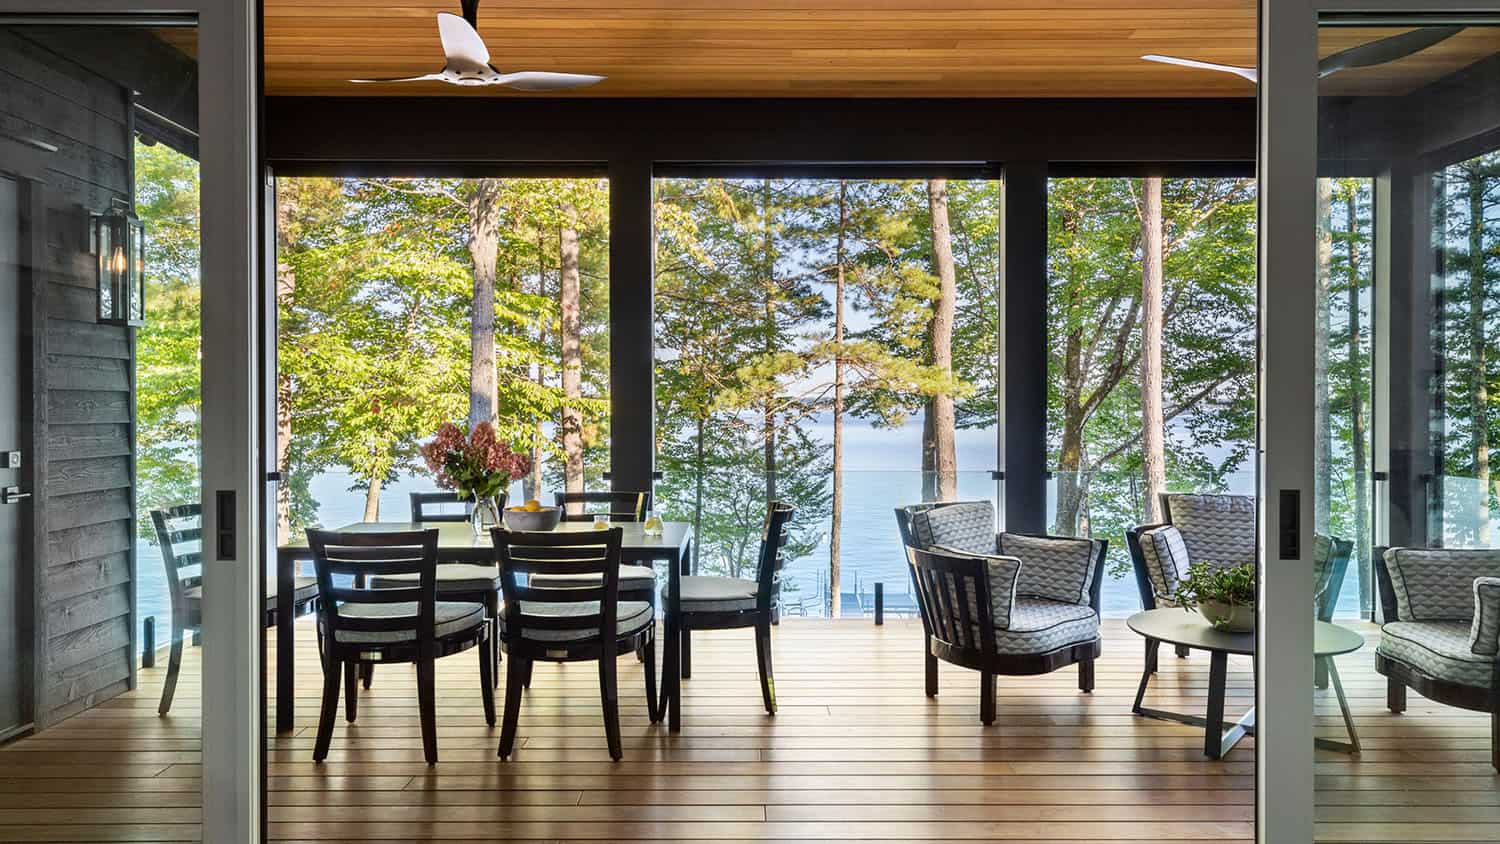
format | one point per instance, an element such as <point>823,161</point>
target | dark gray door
<point>15,403</point>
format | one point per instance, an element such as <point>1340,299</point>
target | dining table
<point>457,543</point>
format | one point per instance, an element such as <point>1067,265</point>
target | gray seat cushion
<point>1217,529</point>
<point>632,579</point>
<point>1053,567</point>
<point>452,578</point>
<point>1166,558</point>
<point>630,617</point>
<point>449,618</point>
<point>717,594</point>
<point>1438,649</point>
<point>305,590</point>
<point>1039,626</point>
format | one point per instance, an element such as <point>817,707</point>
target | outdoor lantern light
<point>119,241</point>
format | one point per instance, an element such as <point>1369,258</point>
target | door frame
<point>228,100</point>
<point>1288,167</point>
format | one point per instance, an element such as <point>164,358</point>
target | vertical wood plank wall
<point>85,582</point>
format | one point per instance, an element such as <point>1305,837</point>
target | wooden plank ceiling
<point>812,48</point>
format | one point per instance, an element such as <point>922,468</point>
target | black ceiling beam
<point>387,131</point>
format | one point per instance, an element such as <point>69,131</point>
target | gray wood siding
<point>85,583</point>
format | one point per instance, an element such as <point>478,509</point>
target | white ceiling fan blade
<point>541,80</point>
<point>462,45</point>
<point>1242,72</point>
<point>426,77</point>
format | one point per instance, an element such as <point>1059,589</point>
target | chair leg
<point>687,653</point>
<point>332,676</point>
<point>367,673</point>
<point>763,662</point>
<point>492,609</point>
<point>1182,651</point>
<point>174,665</point>
<point>352,671</point>
<point>648,665</point>
<point>427,703</point>
<point>609,698</point>
<point>487,680</point>
<point>526,673</point>
<point>986,698</point>
<point>1495,737</point>
<point>931,665</point>
<point>1395,695</point>
<point>514,669</point>
<point>1086,676</point>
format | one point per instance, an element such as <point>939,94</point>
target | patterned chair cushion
<point>1435,584</point>
<point>449,618</point>
<point>1438,649</point>
<point>630,617</point>
<point>1166,560</point>
<point>1216,529</point>
<point>1039,626</point>
<point>1484,634</point>
<point>452,578</point>
<point>965,525</point>
<point>1054,567</point>
<point>1003,575</point>
<point>706,593</point>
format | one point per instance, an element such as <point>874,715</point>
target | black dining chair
<point>179,536</point>
<point>442,507</point>
<point>391,620</point>
<point>618,505</point>
<point>729,603</point>
<point>580,621</point>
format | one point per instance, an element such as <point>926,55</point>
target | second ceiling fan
<point>1365,55</point>
<point>468,61</point>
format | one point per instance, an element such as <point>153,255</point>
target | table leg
<point>674,642</point>
<point>286,585</point>
<point>1213,732</point>
<point>1152,646</point>
<point>1352,745</point>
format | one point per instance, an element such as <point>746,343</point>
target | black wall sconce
<point>118,240</point>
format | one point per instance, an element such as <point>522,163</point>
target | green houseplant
<point>1225,595</point>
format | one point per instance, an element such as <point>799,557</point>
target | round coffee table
<point>1192,631</point>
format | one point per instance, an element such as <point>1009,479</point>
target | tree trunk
<point>286,286</point>
<point>1072,479</point>
<point>1357,433</point>
<point>568,292</point>
<point>372,500</point>
<point>940,422</point>
<point>1153,433</point>
<point>768,413</point>
<point>1478,348</point>
<point>835,544</point>
<point>700,466</point>
<point>1322,432</point>
<point>484,248</point>
<point>532,486</point>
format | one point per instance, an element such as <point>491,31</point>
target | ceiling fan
<point>468,61</point>
<point>1365,55</point>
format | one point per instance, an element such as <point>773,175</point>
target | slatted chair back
<point>179,533</point>
<point>442,507</point>
<point>954,599</point>
<point>594,600</point>
<point>618,505</point>
<point>774,533</point>
<point>346,561</point>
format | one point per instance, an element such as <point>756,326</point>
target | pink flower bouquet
<point>477,466</point>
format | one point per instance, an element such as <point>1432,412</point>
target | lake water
<point>883,473</point>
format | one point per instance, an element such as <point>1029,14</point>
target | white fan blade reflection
<point>462,45</point>
<point>540,80</point>
<point>426,77</point>
<point>1242,72</point>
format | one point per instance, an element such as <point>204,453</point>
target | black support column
<point>1023,344</point>
<point>632,248</point>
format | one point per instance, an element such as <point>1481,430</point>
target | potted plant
<point>479,466</point>
<point>1225,595</point>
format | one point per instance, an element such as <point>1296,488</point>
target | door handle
<point>12,494</point>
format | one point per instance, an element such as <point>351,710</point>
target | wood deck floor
<point>856,753</point>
